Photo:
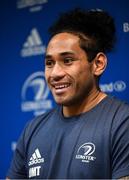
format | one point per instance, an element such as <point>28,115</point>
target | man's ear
<point>99,64</point>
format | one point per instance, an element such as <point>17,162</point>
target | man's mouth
<point>61,88</point>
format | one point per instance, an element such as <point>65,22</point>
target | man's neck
<point>85,105</point>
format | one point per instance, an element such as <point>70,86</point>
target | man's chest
<point>76,153</point>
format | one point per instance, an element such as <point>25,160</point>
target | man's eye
<point>68,60</point>
<point>49,63</point>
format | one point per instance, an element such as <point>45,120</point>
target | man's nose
<point>57,71</point>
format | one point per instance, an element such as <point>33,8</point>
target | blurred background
<point>23,40</point>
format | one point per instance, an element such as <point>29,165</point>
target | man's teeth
<point>61,86</point>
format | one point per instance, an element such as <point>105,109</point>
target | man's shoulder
<point>118,111</point>
<point>39,121</point>
<point>118,103</point>
<point>44,116</point>
<point>114,109</point>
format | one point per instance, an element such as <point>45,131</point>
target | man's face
<point>68,73</point>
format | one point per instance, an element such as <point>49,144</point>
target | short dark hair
<point>95,28</point>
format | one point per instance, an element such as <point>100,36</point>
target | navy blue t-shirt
<point>93,145</point>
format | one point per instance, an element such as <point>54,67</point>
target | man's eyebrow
<point>67,53</point>
<point>61,54</point>
<point>47,56</point>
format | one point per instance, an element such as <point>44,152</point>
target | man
<point>87,135</point>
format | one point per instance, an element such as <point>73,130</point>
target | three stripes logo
<point>36,158</point>
<point>33,5</point>
<point>33,45</point>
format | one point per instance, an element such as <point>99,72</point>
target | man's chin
<point>63,102</point>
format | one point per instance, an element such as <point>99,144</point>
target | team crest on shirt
<point>86,152</point>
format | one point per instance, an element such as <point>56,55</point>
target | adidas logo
<point>33,45</point>
<point>31,3</point>
<point>36,158</point>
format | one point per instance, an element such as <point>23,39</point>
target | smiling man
<point>87,135</point>
<point>67,68</point>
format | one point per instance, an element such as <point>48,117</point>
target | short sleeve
<point>17,168</point>
<point>120,145</point>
